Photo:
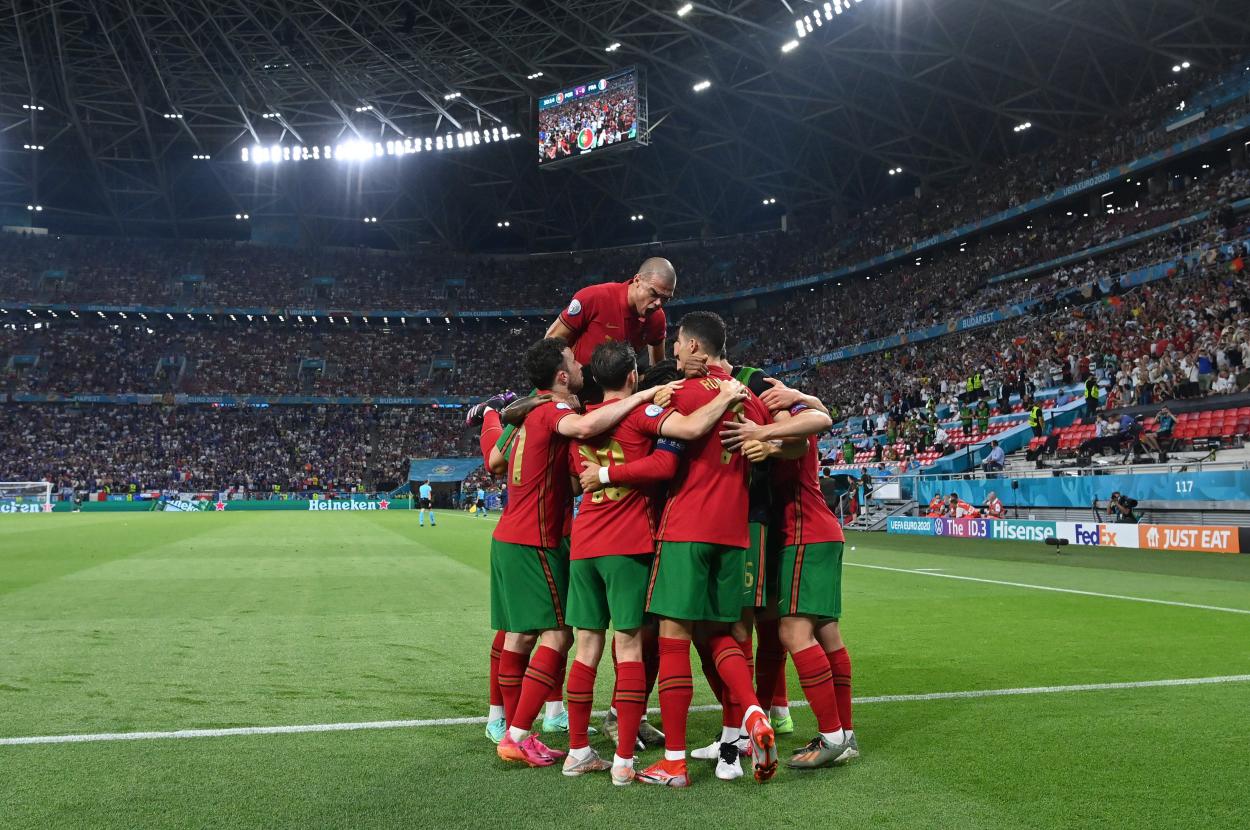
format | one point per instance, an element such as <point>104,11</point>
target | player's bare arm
<point>582,427</point>
<point>560,329</point>
<point>784,426</point>
<point>781,397</point>
<point>702,420</point>
<point>655,352</point>
<point>514,413</point>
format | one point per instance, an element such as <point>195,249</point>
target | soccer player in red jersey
<point>630,311</point>
<point>810,599</point>
<point>529,555</point>
<point>612,545</point>
<point>698,570</point>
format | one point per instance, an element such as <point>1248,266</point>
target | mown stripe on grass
<point>1151,600</point>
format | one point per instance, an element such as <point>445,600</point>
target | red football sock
<point>709,670</point>
<point>770,662</point>
<point>492,428</point>
<point>781,692</point>
<point>840,663</point>
<point>540,676</point>
<point>557,690</point>
<point>817,681</point>
<point>615,674</point>
<point>496,696</point>
<point>676,690</point>
<point>511,673</point>
<point>731,665</point>
<point>650,660</point>
<point>734,710</point>
<point>581,695</point>
<point>631,705</point>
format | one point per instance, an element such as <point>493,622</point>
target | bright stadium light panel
<point>685,10</point>
<point>533,75</point>
<point>612,47</point>
<point>701,85</point>
<point>789,46</point>
<point>451,96</point>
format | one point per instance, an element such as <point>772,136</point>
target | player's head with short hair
<point>652,286</point>
<point>700,333</point>
<point>665,371</point>
<point>615,367</point>
<point>549,364</point>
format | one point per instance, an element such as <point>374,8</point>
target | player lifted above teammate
<point>630,311</point>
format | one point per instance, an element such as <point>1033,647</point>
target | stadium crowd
<point>194,448</point>
<point>116,271</point>
<point>1182,337</point>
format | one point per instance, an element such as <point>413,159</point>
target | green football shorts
<point>755,567</point>
<point>529,587</point>
<point>811,580</point>
<point>608,591</point>
<point>697,581</point>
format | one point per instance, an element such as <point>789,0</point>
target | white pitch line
<point>929,572</point>
<point>415,724</point>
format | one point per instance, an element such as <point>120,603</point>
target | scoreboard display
<point>592,117</point>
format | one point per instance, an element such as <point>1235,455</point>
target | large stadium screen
<point>592,117</point>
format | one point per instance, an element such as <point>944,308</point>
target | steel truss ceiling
<point>932,85</point>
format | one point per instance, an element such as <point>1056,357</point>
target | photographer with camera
<point>1122,509</point>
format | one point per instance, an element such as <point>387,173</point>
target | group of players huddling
<point>701,521</point>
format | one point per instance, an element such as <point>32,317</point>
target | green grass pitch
<point>156,622</point>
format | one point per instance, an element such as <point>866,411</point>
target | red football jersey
<point>539,492</point>
<point>601,312</point>
<point>800,505</point>
<point>617,520</point>
<point>707,500</point>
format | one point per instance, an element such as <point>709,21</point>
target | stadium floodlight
<point>1019,128</point>
<point>451,96</point>
<point>612,47</point>
<point>365,108</point>
<point>34,107</point>
<point>173,115</point>
<point>34,147</point>
<point>789,46</point>
<point>685,10</point>
<point>533,75</point>
<point>771,200</point>
<point>1184,65</point>
<point>701,85</point>
<point>1176,67</point>
<point>894,171</point>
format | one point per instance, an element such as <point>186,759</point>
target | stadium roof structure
<point>129,116</point>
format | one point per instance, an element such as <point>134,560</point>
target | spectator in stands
<point>996,460</point>
<point>1223,384</point>
<point>1037,418</point>
<point>1092,394</point>
<point>865,484</point>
